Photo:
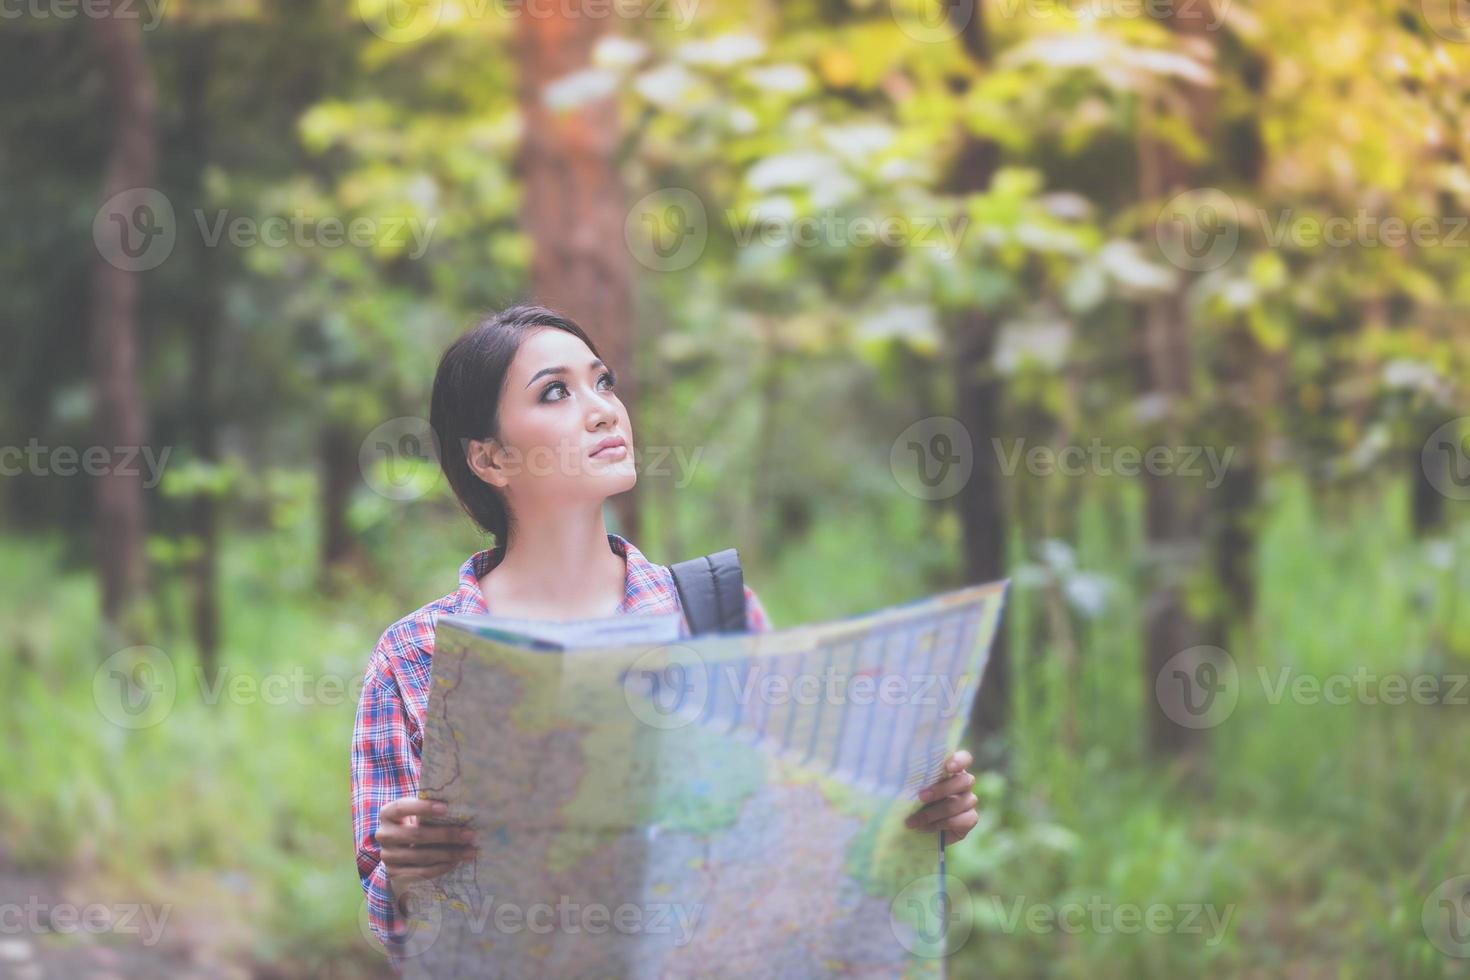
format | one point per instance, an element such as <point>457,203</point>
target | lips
<point>609,446</point>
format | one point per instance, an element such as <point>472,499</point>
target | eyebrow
<point>562,369</point>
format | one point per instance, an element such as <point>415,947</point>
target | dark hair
<point>466,399</point>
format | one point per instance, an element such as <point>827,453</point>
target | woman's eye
<point>609,378</point>
<point>546,392</point>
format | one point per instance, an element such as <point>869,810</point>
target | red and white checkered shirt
<point>388,738</point>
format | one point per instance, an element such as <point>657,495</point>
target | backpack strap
<point>712,592</point>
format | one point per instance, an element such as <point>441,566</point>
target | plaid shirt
<point>388,738</point>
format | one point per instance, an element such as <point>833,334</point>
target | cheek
<point>537,438</point>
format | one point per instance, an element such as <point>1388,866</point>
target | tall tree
<point>118,400</point>
<point>972,333</point>
<point>1174,510</point>
<point>575,206</point>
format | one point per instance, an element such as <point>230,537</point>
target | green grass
<point>1322,828</point>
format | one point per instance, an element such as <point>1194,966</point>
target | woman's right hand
<point>410,849</point>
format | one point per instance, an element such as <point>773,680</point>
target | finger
<point>430,834</point>
<point>952,786</point>
<point>957,828</point>
<point>396,810</point>
<point>936,813</point>
<point>401,835</point>
<point>429,871</point>
<point>960,761</point>
<point>420,857</point>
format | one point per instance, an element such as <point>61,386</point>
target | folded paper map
<point>651,805</point>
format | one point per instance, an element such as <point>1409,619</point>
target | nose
<point>601,410</point>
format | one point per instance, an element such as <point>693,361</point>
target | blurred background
<point>1156,307</point>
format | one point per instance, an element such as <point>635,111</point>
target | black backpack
<point>712,592</point>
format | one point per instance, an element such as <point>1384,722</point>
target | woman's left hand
<point>950,804</point>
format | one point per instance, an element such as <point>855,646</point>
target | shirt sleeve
<point>385,767</point>
<point>756,620</point>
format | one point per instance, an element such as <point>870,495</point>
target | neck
<point>560,558</point>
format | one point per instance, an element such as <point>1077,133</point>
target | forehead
<point>548,346</point>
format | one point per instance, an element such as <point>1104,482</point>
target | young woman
<point>533,439</point>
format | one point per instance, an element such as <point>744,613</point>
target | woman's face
<point>557,407</point>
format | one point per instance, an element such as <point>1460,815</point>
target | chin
<point>619,478</point>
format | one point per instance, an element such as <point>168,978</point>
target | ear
<point>486,458</point>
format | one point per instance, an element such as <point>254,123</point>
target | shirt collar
<point>646,589</point>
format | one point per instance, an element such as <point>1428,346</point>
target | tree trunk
<point>339,468</point>
<point>203,354</point>
<point>117,399</point>
<point>978,408</point>
<point>1174,509</point>
<point>575,205</point>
